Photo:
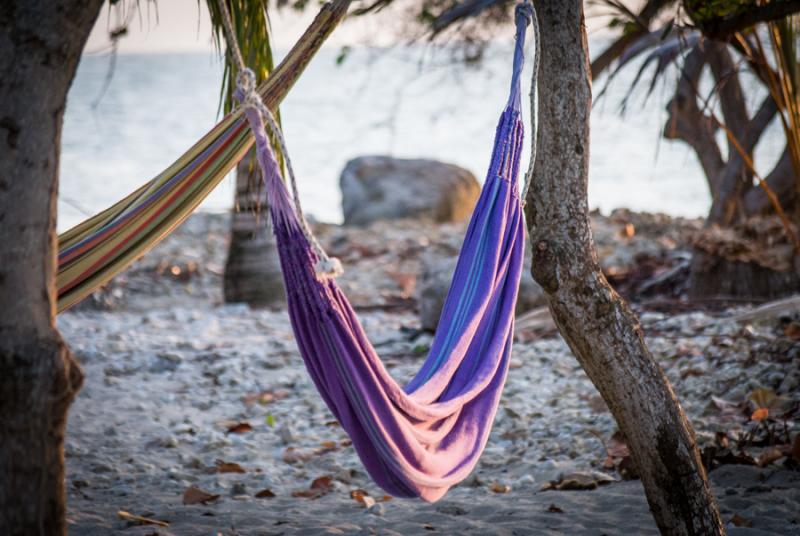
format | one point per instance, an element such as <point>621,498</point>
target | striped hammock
<point>96,250</point>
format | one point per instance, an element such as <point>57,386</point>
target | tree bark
<point>597,324</point>
<point>40,45</point>
<point>252,271</point>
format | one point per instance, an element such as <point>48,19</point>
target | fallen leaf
<point>760,414</point>
<point>323,482</point>
<point>239,428</point>
<point>772,454</point>
<point>358,495</point>
<point>319,487</point>
<point>139,520</point>
<point>229,467</point>
<point>553,509</point>
<point>618,456</point>
<point>721,440</point>
<point>265,397</point>
<point>265,494</point>
<point>740,521</point>
<point>617,446</point>
<point>628,231</point>
<point>292,455</point>
<point>763,398</point>
<point>195,495</point>
<point>499,488</point>
<point>793,331</point>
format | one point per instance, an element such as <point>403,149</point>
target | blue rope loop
<point>523,15</point>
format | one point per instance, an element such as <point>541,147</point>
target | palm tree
<point>252,271</point>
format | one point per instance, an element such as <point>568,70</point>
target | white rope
<point>534,104</point>
<point>246,83</point>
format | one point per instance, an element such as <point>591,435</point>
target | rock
<point>384,188</point>
<point>434,282</point>
<point>376,509</point>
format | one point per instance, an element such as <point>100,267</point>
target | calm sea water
<point>407,102</point>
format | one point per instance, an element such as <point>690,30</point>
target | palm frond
<point>253,33</point>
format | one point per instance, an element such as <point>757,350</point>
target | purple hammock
<point>421,439</point>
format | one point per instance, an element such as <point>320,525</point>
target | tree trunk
<point>40,45</point>
<point>714,276</point>
<point>252,271</point>
<point>601,330</point>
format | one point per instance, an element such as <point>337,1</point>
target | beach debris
<point>265,397</point>
<point>194,495</point>
<point>740,521</point>
<point>180,271</point>
<point>265,494</point>
<point>497,487</point>
<point>361,496</point>
<point>578,481</point>
<point>728,411</point>
<point>618,456</point>
<point>553,509</point>
<point>766,403</point>
<point>319,487</point>
<point>140,520</point>
<point>228,467</point>
<point>239,428</point>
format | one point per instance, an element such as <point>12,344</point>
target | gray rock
<point>384,188</point>
<point>376,509</point>
<point>434,282</point>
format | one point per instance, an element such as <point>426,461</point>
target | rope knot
<point>328,267</point>
<point>246,81</point>
<point>524,12</point>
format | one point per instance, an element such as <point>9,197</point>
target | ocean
<point>405,101</point>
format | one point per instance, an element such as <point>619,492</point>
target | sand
<point>171,372</point>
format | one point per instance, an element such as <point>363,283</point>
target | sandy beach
<point>188,400</point>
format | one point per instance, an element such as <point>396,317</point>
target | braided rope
<point>537,46</point>
<point>326,266</point>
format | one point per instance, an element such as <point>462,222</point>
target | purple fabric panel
<point>420,440</point>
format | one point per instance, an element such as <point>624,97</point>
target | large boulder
<point>386,188</point>
<point>434,282</point>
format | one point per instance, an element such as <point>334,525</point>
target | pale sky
<point>184,26</point>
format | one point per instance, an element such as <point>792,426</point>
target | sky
<point>165,26</point>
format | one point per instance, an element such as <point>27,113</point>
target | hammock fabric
<point>96,250</point>
<point>420,440</point>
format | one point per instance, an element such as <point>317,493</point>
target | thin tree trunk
<point>601,330</point>
<point>252,271</point>
<point>40,45</point>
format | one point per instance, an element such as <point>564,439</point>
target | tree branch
<point>721,28</point>
<point>781,181</point>
<point>464,10</point>
<point>731,181</point>
<point>688,123</point>
<point>650,10</point>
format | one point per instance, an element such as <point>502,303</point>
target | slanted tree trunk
<point>40,45</point>
<point>252,271</point>
<point>601,330</point>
